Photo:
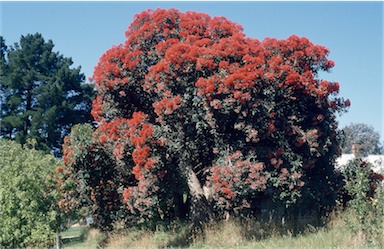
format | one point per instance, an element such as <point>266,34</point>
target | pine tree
<point>42,95</point>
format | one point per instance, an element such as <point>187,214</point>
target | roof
<point>376,160</point>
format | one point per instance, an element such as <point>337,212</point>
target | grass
<point>233,235</point>
<point>89,238</point>
<point>73,232</point>
<point>230,234</point>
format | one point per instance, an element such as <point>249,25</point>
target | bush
<point>89,179</point>
<point>365,188</point>
<point>27,207</point>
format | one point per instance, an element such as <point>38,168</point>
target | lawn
<point>81,237</point>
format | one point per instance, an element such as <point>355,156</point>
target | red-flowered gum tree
<point>197,116</point>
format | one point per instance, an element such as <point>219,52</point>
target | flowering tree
<point>196,113</point>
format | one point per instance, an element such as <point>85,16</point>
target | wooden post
<point>58,240</point>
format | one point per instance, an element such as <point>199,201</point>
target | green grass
<point>230,234</point>
<point>73,232</point>
<point>83,238</point>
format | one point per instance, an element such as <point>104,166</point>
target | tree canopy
<point>192,115</point>
<point>362,135</point>
<point>42,96</point>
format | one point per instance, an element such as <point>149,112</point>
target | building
<point>376,160</point>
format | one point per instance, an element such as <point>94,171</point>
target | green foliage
<point>27,205</point>
<point>367,203</point>
<point>42,96</point>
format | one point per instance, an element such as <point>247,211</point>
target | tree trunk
<point>28,107</point>
<point>200,209</point>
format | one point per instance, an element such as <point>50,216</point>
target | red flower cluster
<point>136,133</point>
<point>375,179</point>
<point>96,111</point>
<point>68,157</point>
<point>67,201</point>
<point>167,105</point>
<point>230,182</point>
<point>141,200</point>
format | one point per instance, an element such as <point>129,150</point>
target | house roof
<point>376,160</point>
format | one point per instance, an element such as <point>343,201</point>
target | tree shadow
<point>256,229</point>
<point>186,236</point>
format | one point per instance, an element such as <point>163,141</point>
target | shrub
<point>28,213</point>
<point>365,188</point>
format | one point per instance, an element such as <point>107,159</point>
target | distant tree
<point>42,96</point>
<point>362,135</point>
<point>28,208</point>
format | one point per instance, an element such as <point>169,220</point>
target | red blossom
<point>271,128</point>
<point>239,88</point>
<point>96,108</point>
<point>59,169</point>
<point>347,103</point>
<point>167,105</point>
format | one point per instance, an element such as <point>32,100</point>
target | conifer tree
<point>42,95</point>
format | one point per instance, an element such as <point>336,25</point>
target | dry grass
<point>237,234</point>
<point>136,239</point>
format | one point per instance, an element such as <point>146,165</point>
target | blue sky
<point>353,31</point>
